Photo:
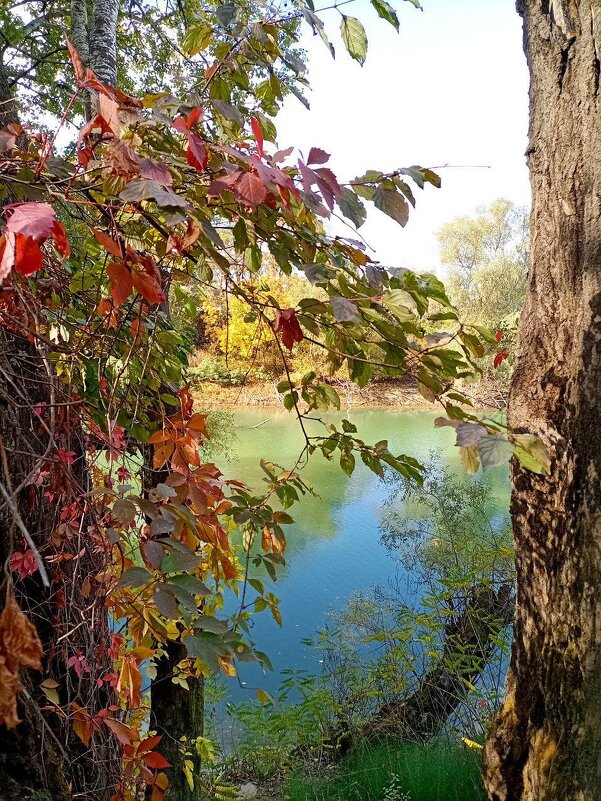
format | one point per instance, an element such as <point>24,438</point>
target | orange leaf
<point>125,734</point>
<point>61,243</point>
<point>162,454</point>
<point>107,243</point>
<point>9,689</point>
<point>76,61</point>
<point>155,760</point>
<point>121,282</point>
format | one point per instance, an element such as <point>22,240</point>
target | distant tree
<point>487,259</point>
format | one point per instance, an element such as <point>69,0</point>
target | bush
<point>214,369</point>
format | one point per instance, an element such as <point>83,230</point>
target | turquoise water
<point>333,547</point>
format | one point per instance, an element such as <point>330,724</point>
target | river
<point>334,547</point>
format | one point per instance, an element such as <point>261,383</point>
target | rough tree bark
<point>546,741</point>
<point>103,40</point>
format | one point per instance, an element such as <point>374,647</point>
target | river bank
<point>387,394</point>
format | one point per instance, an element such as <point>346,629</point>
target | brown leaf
<point>9,688</point>
<point>19,641</point>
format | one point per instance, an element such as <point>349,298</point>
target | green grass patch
<point>397,772</point>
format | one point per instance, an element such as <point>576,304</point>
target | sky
<point>450,88</point>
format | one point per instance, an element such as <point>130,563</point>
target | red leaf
<point>317,156</point>
<point>194,117</point>
<point>185,123</point>
<point>250,190</point>
<point>107,243</point>
<point>61,243</point>
<point>500,357</point>
<point>121,281</point>
<point>288,325</point>
<point>156,761</point>
<point>149,743</point>
<point>155,172</point>
<point>258,134</point>
<point>196,154</point>
<point>31,219</point>
<point>499,335</point>
<point>28,256</point>
<point>76,61</point>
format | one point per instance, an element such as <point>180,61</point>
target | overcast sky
<point>450,88</point>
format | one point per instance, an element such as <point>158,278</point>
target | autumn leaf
<point>107,243</point>
<point>59,237</point>
<point>155,760</point>
<point>254,123</point>
<point>317,156</point>
<point>287,323</point>
<point>76,61</point>
<point>28,255</point>
<point>19,641</point>
<point>121,281</point>
<point>250,190</point>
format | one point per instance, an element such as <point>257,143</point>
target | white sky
<point>451,88</point>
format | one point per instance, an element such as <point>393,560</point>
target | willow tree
<point>546,741</point>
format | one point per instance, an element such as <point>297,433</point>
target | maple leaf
<point>287,323</point>
<point>250,190</point>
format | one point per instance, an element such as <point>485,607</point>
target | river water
<point>334,547</point>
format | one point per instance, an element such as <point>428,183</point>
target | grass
<point>423,773</point>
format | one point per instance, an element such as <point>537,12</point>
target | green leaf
<point>532,453</point>
<point>393,204</point>
<point>494,450</point>
<point>134,577</point>
<point>386,11</point>
<point>354,38</point>
<point>206,647</point>
<point>189,583</point>
<point>196,39</point>
<point>347,462</point>
<point>351,207</point>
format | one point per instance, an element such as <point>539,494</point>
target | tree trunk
<point>177,713</point>
<point>471,637</point>
<point>103,40</point>
<point>546,741</point>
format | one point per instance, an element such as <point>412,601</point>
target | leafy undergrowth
<point>396,772</point>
